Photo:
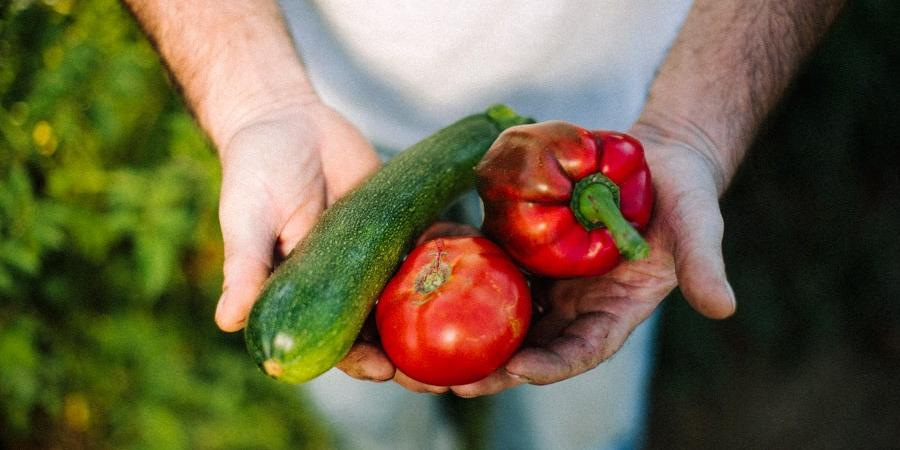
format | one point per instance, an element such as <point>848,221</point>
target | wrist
<point>222,121</point>
<point>233,60</point>
<point>293,114</point>
<point>246,86</point>
<point>656,129</point>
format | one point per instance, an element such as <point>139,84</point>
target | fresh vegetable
<point>455,311</point>
<point>565,201</point>
<point>314,304</point>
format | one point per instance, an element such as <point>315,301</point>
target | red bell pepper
<point>565,201</point>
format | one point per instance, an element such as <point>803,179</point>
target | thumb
<point>249,245</point>
<point>245,274</point>
<point>698,254</point>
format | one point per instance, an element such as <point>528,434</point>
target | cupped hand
<point>582,322</point>
<point>280,170</point>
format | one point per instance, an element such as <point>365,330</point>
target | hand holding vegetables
<point>585,320</point>
<point>314,305</point>
<point>280,169</point>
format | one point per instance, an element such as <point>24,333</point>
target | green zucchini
<point>313,306</point>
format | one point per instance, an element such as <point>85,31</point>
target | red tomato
<point>455,311</point>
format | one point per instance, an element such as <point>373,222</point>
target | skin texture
<point>733,59</point>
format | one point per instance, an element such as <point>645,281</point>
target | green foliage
<point>110,253</point>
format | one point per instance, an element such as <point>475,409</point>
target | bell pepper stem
<point>595,203</point>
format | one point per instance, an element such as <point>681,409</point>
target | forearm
<point>727,69</point>
<point>232,59</point>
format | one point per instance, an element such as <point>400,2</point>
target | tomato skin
<point>455,311</point>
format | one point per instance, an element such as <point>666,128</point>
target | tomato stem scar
<point>435,274</point>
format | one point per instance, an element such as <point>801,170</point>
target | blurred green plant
<point>110,252</point>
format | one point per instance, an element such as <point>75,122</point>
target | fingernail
<point>518,377</point>
<point>733,297</point>
<point>220,303</point>
<point>219,314</point>
<point>467,394</point>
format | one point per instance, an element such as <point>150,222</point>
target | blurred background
<point>812,242</point>
<point>110,260</point>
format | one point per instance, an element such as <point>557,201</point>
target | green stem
<point>595,203</point>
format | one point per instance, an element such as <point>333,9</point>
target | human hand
<point>281,168</point>
<point>582,322</point>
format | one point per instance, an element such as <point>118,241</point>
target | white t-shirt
<point>401,69</point>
